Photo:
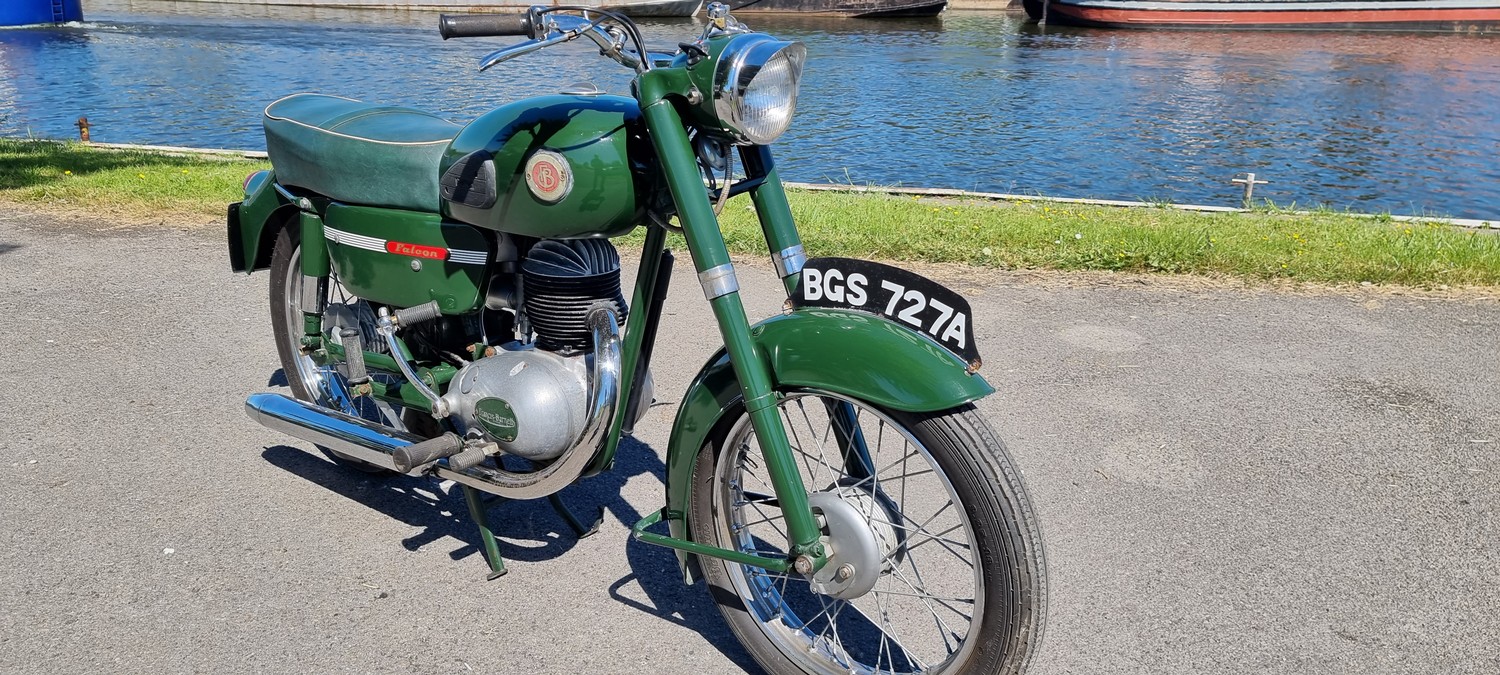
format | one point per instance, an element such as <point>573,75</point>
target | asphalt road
<point>1230,481</point>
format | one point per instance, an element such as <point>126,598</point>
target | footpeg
<point>354,357</point>
<point>471,456</point>
<point>412,316</point>
<point>427,452</point>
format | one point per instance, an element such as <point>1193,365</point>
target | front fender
<point>252,223</point>
<point>858,355</point>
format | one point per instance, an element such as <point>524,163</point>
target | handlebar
<point>485,25</point>
<point>549,26</point>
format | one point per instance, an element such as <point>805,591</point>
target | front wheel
<point>957,579</point>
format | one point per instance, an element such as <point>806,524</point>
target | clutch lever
<point>507,53</point>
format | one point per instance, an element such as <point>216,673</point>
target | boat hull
<point>1414,15</point>
<point>854,8</point>
<point>28,12</point>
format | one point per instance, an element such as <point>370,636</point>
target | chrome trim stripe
<point>355,240</point>
<point>718,281</point>
<point>467,257</point>
<point>455,255</point>
<point>789,261</point>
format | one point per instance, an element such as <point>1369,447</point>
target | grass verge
<point>1324,247</point>
<point>127,186</point>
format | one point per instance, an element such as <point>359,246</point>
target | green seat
<point>356,152</point>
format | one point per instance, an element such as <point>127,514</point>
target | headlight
<point>755,87</point>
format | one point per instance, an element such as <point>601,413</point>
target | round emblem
<point>548,176</point>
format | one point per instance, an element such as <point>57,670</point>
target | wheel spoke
<point>942,626</point>
<point>797,442</point>
<point>811,628</point>
<point>888,632</point>
<point>935,537</point>
<point>833,476</point>
<point>925,595</point>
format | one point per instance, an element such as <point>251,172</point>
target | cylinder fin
<point>562,279</point>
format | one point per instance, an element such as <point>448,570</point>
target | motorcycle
<point>446,302</point>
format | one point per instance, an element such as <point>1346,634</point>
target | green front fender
<point>858,355</point>
<point>253,223</point>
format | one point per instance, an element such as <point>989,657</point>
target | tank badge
<point>496,416</point>
<point>548,176</point>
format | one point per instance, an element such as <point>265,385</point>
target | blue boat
<point>27,12</point>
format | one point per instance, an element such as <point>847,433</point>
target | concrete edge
<point>1473,223</point>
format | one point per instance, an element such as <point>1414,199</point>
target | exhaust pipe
<point>376,443</point>
<point>346,434</point>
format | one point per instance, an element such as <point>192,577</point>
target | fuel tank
<point>557,167</point>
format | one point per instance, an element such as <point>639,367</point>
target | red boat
<point>1466,16</point>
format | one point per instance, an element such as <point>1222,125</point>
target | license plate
<point>909,299</point>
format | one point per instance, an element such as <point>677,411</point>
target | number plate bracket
<point>899,296</point>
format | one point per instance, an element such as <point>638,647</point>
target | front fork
<point>716,274</point>
<point>788,256</point>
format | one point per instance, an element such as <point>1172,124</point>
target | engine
<point>532,398</point>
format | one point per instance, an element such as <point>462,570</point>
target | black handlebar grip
<point>426,452</point>
<point>412,316</point>
<point>484,25</point>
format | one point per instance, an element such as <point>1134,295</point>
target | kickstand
<point>481,518</point>
<point>572,520</point>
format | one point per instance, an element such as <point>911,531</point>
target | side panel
<point>407,258</point>
<point>251,221</point>
<point>844,352</point>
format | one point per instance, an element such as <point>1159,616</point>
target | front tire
<point>962,580</point>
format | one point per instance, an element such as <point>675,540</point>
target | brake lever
<point>565,28</point>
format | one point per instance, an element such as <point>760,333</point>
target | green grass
<point>128,186</point>
<point>1325,247</point>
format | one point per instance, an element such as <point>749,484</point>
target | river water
<point>1404,123</point>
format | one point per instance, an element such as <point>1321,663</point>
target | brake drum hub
<point>860,539</point>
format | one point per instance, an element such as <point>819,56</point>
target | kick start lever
<point>386,324</point>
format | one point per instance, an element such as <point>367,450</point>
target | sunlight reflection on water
<point>1372,121</point>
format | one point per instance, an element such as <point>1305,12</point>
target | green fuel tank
<point>557,167</point>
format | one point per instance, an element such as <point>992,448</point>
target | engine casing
<point>531,402</point>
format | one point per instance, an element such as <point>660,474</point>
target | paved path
<point>1230,481</point>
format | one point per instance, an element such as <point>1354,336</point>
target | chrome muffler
<point>346,434</point>
<point>376,443</point>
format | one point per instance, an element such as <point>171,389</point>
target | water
<point>1371,121</point>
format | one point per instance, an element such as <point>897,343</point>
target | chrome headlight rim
<point>738,64</point>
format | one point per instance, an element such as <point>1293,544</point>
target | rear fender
<point>854,354</point>
<point>253,223</point>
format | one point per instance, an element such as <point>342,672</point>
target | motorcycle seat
<point>356,152</point>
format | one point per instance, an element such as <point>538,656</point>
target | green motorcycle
<point>446,302</point>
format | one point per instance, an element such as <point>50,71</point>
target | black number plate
<point>914,301</point>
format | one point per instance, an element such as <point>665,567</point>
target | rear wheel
<point>325,385</point>
<point>956,582</point>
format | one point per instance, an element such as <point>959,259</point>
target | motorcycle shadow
<point>530,531</point>
<point>526,531</point>
<point>654,585</point>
